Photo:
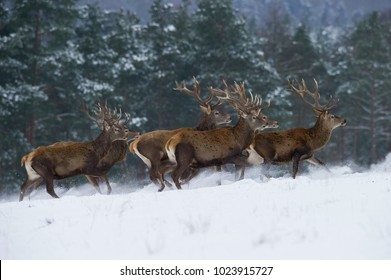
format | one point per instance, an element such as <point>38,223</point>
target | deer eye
<point>264,118</point>
<point>332,116</point>
<point>217,113</point>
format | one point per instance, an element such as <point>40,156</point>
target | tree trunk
<point>31,122</point>
<point>372,129</point>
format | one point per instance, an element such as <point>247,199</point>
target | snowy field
<point>340,214</point>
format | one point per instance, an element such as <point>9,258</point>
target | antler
<point>105,114</point>
<point>116,115</point>
<point>196,93</point>
<point>98,111</point>
<point>242,103</point>
<point>302,91</point>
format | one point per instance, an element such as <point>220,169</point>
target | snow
<point>341,214</point>
<point>169,28</point>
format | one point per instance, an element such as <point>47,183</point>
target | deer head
<point>321,111</point>
<point>110,121</point>
<point>247,108</point>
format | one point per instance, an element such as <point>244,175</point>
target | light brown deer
<point>66,159</point>
<point>150,147</point>
<point>298,144</point>
<point>222,145</point>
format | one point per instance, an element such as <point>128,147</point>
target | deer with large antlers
<point>67,159</point>
<point>115,154</point>
<point>222,145</point>
<point>298,144</point>
<point>150,147</point>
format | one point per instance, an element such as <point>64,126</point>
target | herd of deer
<point>184,151</point>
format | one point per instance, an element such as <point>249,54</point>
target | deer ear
<point>207,110</point>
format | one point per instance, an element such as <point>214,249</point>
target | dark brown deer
<point>298,144</point>
<point>150,147</point>
<point>115,154</point>
<point>66,159</point>
<point>222,145</point>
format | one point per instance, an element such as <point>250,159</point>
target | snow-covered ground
<point>340,214</point>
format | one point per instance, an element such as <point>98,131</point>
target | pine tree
<point>165,108</point>
<point>226,50</point>
<point>366,86</point>
<point>35,35</point>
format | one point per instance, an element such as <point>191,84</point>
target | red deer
<point>66,159</point>
<point>222,145</point>
<point>116,154</point>
<point>150,147</point>
<point>299,144</point>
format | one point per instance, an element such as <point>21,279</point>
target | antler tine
<point>331,104</point>
<point>195,92</point>
<point>241,102</point>
<point>302,91</point>
<point>99,111</point>
<point>118,116</point>
<point>315,95</point>
<point>127,118</point>
<point>87,113</point>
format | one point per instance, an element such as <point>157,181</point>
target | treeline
<point>56,56</point>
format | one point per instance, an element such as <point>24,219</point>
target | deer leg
<point>45,173</point>
<point>184,155</point>
<point>156,176</point>
<point>107,184</point>
<point>50,187</point>
<point>239,169</point>
<point>94,181</point>
<point>27,184</point>
<point>295,165</point>
<point>166,167</point>
<point>218,170</point>
<point>189,174</point>
<point>317,162</point>
<point>240,166</point>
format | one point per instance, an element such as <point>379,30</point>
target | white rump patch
<point>142,157</point>
<point>32,175</point>
<point>171,154</point>
<point>254,158</point>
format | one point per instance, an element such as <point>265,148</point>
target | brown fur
<point>297,144</point>
<point>150,147</point>
<point>66,159</point>
<point>116,154</point>
<point>212,148</point>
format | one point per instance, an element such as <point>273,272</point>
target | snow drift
<point>319,215</point>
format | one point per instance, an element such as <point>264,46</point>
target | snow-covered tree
<point>33,35</point>
<point>366,86</point>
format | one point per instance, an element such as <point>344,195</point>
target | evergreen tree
<point>166,108</point>
<point>366,86</point>
<point>301,60</point>
<point>95,81</point>
<point>226,50</point>
<point>35,35</point>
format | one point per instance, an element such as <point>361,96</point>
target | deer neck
<point>320,134</point>
<point>244,135</point>
<point>102,144</point>
<point>205,123</point>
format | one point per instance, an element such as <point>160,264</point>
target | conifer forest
<point>57,57</point>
